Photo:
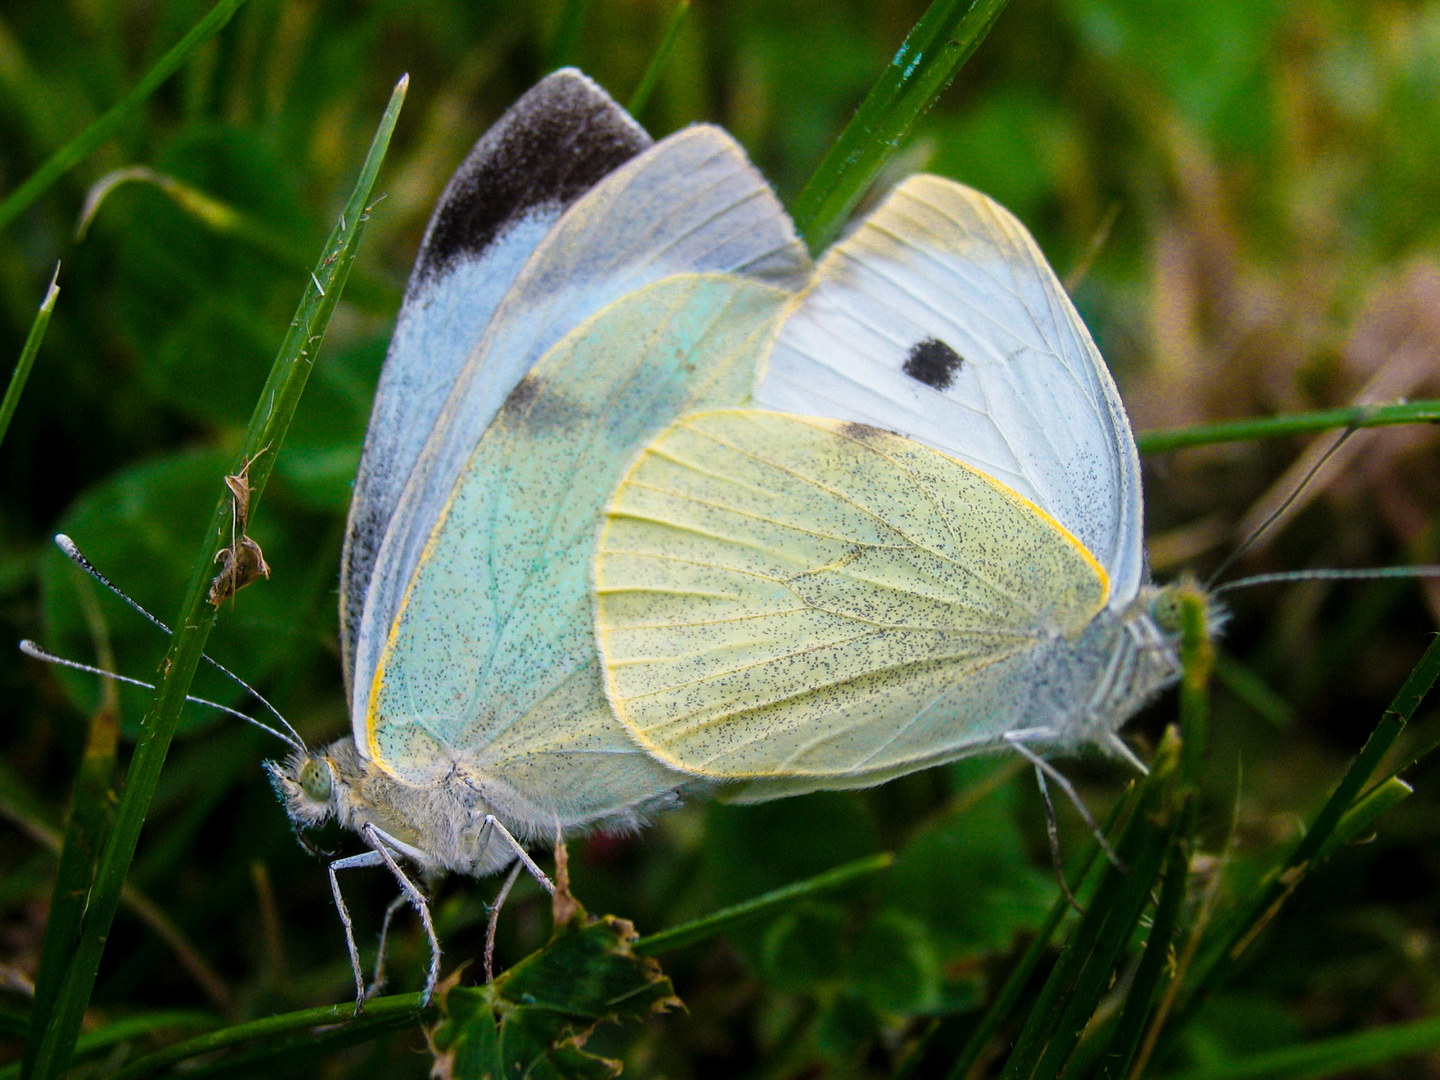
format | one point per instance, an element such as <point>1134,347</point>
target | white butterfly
<point>923,544</point>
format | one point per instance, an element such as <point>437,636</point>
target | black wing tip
<point>557,141</point>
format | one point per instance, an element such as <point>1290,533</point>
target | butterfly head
<point>308,783</point>
<point>1173,605</point>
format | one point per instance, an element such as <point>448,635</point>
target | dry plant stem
<point>1402,374</point>
<point>273,936</point>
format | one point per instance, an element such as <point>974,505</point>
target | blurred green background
<point>1245,198</point>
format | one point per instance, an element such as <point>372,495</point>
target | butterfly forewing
<point>548,149</point>
<point>938,318</point>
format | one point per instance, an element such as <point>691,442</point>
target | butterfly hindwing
<point>491,659</point>
<point>939,318</point>
<point>785,596</point>
<point>548,149</point>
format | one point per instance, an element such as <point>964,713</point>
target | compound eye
<point>315,780</point>
<point>1166,612</point>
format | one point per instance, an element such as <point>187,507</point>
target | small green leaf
<point>532,1020</point>
<point>804,949</point>
<point>896,968</point>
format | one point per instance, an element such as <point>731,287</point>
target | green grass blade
<point>287,1034</point>
<point>1197,661</point>
<point>1247,685</point>
<point>1252,917</point>
<point>1328,1057</point>
<point>1019,977</point>
<point>57,1031</point>
<point>82,145</point>
<point>1145,986</point>
<point>225,220</point>
<point>1401,709</point>
<point>1086,963</point>
<point>722,920</point>
<point>20,806</point>
<point>131,1027</point>
<point>1368,809</point>
<point>567,37</point>
<point>27,354</point>
<point>944,38</point>
<point>1278,427</point>
<point>651,78</point>
<point>211,212</point>
<point>1144,857</point>
<point>86,833</point>
<point>296,1050</point>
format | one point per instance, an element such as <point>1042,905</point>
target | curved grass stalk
<point>85,143</point>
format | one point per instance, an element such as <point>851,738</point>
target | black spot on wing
<point>860,432</point>
<point>540,407</point>
<point>524,392</point>
<point>933,363</point>
<point>549,148</point>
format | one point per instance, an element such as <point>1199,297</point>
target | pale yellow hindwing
<point>788,596</point>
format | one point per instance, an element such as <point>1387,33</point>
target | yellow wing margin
<point>786,596</point>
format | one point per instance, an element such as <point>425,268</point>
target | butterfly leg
<point>1112,741</point>
<point>1052,832</point>
<point>378,983</point>
<point>380,841</point>
<point>370,858</point>
<point>1017,741</point>
<point>492,826</point>
<point>494,921</point>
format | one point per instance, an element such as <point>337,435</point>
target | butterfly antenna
<point>1334,575</point>
<point>1249,541</point>
<point>29,648</point>
<point>73,553</point>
